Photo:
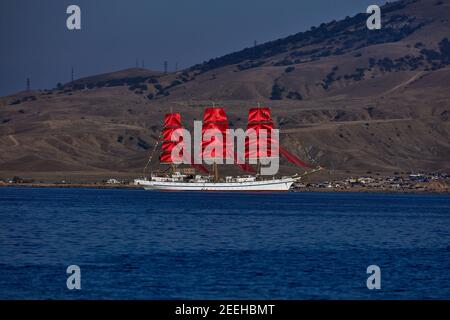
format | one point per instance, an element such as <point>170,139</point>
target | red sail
<point>168,146</point>
<point>259,119</point>
<point>215,121</point>
<point>260,125</point>
<point>165,157</point>
<point>215,115</point>
<point>172,122</point>
<point>168,132</point>
<point>293,159</point>
<point>256,115</point>
<point>257,146</point>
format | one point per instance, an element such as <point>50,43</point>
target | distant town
<point>433,182</point>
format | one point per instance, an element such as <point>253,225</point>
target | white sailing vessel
<point>181,182</point>
<point>215,118</point>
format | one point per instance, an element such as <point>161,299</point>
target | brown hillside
<point>353,100</point>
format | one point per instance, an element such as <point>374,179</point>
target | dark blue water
<point>133,244</point>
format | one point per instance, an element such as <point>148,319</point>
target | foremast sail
<point>172,122</point>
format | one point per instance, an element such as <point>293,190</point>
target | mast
<point>216,172</point>
<point>215,119</point>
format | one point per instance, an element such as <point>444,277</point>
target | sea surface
<point>135,244</point>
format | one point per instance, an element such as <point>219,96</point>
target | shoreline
<point>70,185</point>
<point>305,189</point>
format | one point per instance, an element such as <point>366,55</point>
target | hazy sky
<point>36,43</point>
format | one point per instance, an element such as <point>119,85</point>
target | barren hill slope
<point>351,99</point>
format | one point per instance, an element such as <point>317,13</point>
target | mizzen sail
<point>260,120</point>
<point>260,142</point>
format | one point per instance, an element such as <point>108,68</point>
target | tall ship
<point>197,177</point>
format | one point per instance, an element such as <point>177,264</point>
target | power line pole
<point>165,66</point>
<point>28,84</point>
<point>176,66</point>
<point>71,75</point>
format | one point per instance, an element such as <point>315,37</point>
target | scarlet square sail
<point>260,119</point>
<point>172,122</point>
<point>258,145</point>
<point>215,121</point>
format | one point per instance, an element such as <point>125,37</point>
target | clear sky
<point>35,42</point>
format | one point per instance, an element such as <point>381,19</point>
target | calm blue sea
<point>133,244</point>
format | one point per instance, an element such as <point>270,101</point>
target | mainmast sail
<point>215,148</point>
<point>214,119</point>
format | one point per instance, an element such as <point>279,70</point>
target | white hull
<point>283,184</point>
